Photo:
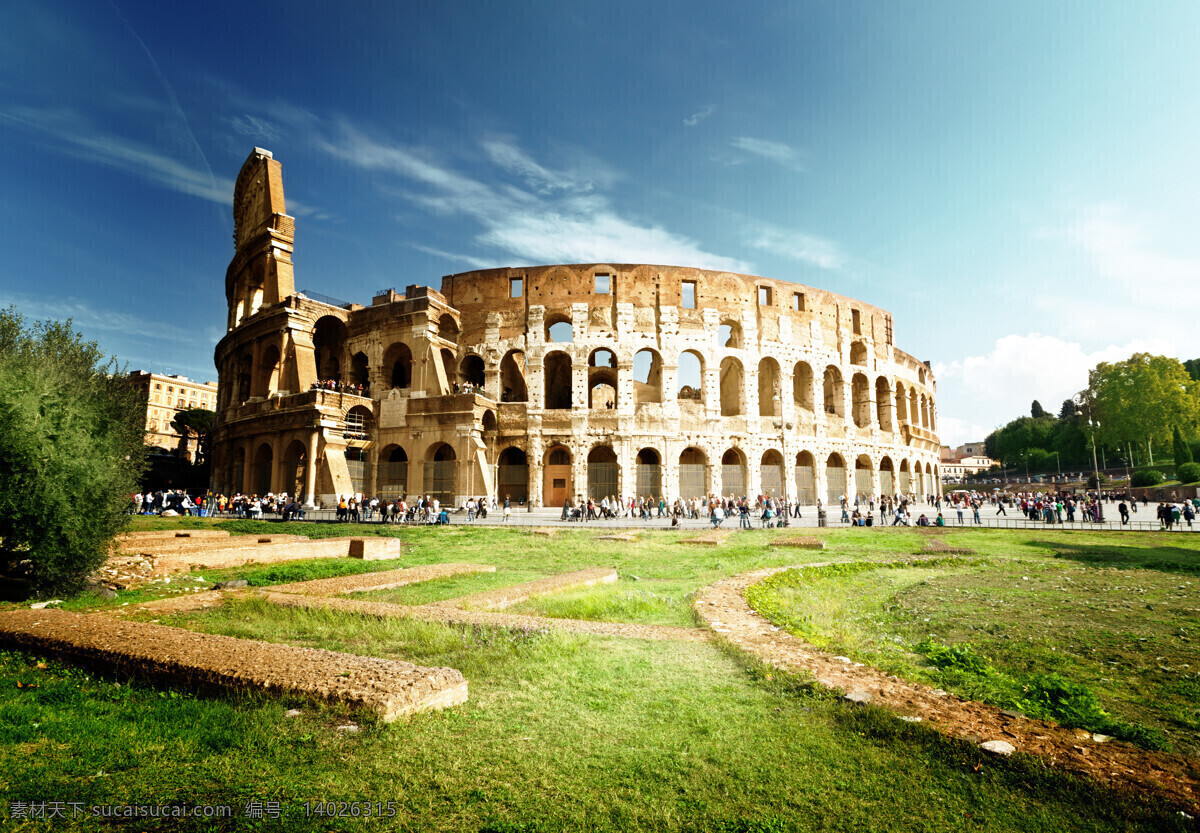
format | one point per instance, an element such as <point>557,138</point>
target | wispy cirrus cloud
<point>806,248</point>
<point>700,115</point>
<point>777,152</point>
<point>552,216</point>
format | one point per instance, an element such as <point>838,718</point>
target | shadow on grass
<point>1167,559</point>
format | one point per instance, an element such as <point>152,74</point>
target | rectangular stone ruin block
<point>375,549</point>
<point>389,688</point>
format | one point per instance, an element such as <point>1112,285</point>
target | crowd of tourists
<point>338,386</point>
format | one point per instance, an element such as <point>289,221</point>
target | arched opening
<point>647,376</point>
<point>602,380</point>
<point>556,472</point>
<point>557,376</point>
<point>237,474</point>
<point>471,371</point>
<point>448,367</point>
<point>771,473</point>
<point>329,343</point>
<point>729,334</point>
<point>731,386</point>
<point>512,377</point>
<point>397,365</point>
<point>359,421</point>
<point>266,376</point>
<point>649,473</point>
<point>914,411</point>
<point>448,327</point>
<point>690,377</point>
<point>924,411</point>
<point>440,466</point>
<point>295,460</point>
<point>244,366</point>
<point>901,403</point>
<point>835,479</point>
<point>360,372</point>
<point>356,464</point>
<point>806,479</point>
<point>603,473</point>
<point>932,416</point>
<point>693,473</point>
<point>392,479</point>
<point>835,397</point>
<point>770,395</point>
<point>887,478</point>
<point>860,395</point>
<point>905,478</point>
<point>512,475</point>
<point>802,387</point>
<point>858,353</point>
<point>487,423</point>
<point>883,404</point>
<point>733,473</point>
<point>559,329</point>
<point>863,475</point>
<point>931,479</point>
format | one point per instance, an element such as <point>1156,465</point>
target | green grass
<point>564,731</point>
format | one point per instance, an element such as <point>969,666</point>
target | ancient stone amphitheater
<point>552,382</point>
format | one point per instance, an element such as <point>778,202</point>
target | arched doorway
<point>356,464</point>
<point>905,478</point>
<point>557,374</point>
<point>771,473</point>
<point>512,475</point>
<point>649,473</point>
<point>603,473</point>
<point>863,475</point>
<point>471,371</point>
<point>733,473</point>
<point>295,461</point>
<point>556,473</point>
<point>393,473</point>
<point>731,386</point>
<point>887,480</point>
<point>512,377</point>
<point>806,479</point>
<point>264,458</point>
<point>693,474</point>
<point>835,480</point>
<point>440,466</point>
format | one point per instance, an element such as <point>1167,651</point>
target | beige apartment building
<point>165,397</point>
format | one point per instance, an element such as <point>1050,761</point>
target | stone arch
<point>237,473</point>
<point>329,347</point>
<point>559,328</point>
<point>887,477</point>
<point>648,473</point>
<point>858,353</point>
<point>264,461</point>
<point>834,401</point>
<point>771,473</point>
<point>360,371</point>
<point>802,386</point>
<point>512,475</point>
<point>438,477</point>
<point>603,472</point>
<point>266,373</point>
<point>905,484</point>
<point>733,473</point>
<point>557,377</point>
<point>357,461</point>
<point>559,483</point>
<point>447,327</point>
<point>729,334</point>
<point>449,365</point>
<point>295,463</point>
<point>359,423</point>
<point>860,395</point>
<point>602,379</point>
<point>693,473</point>
<point>864,471</point>
<point>806,479</point>
<point>512,377</point>
<point>647,376</point>
<point>690,376</point>
<point>770,401</point>
<point>901,402</point>
<point>392,478</point>
<point>244,377</point>
<point>731,387</point>
<point>835,479</point>
<point>397,365</point>
<point>883,404</point>
<point>924,411</point>
<point>914,409</point>
<point>470,370</point>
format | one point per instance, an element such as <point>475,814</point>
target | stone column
<point>248,470</point>
<point>310,472</point>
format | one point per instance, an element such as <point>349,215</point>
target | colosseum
<point>553,382</point>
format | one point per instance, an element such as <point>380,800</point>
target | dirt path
<point>724,608</point>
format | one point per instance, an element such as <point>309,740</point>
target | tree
<point>1141,399</point>
<point>70,438</point>
<point>1192,366</point>
<point>196,421</point>
<point>1037,411</point>
<point>1183,454</point>
<point>1068,409</point>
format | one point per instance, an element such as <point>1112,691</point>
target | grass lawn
<point>575,732</point>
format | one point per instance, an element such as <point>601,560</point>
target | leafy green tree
<point>1037,411</point>
<point>1183,454</point>
<point>1068,409</point>
<point>1141,399</point>
<point>1192,366</point>
<point>196,421</point>
<point>71,435</point>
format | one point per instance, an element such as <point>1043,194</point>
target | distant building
<point>966,459</point>
<point>165,397</point>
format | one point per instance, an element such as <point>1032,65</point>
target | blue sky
<point>1016,182</point>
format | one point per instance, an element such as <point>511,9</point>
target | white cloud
<point>700,115</point>
<point>561,220</point>
<point>797,246</point>
<point>774,151</point>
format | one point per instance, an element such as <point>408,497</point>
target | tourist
<point>507,509</point>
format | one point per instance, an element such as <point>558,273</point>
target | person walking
<point>507,509</point>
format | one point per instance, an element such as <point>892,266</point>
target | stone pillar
<point>310,472</point>
<point>248,470</point>
<point>579,384</point>
<point>626,400</point>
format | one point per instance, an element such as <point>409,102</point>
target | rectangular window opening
<point>798,301</point>
<point>856,320</point>
<point>764,296</point>
<point>516,287</point>
<point>689,294</point>
<point>603,284</point>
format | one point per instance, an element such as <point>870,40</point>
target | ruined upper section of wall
<point>260,273</point>
<point>257,196</point>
